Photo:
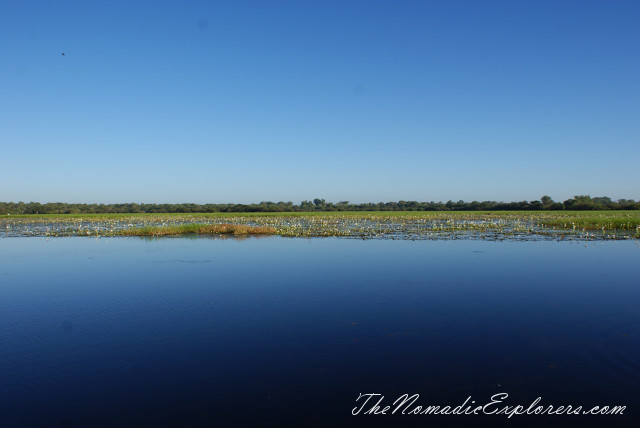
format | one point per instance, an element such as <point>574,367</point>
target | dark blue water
<point>288,332</point>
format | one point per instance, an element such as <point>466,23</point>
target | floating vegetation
<point>197,228</point>
<point>519,225</point>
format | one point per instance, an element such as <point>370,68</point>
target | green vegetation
<point>593,221</point>
<point>197,228</point>
<point>580,203</point>
<point>367,225</point>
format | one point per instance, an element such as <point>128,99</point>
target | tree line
<point>582,202</point>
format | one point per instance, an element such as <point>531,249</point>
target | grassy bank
<point>197,228</point>
<point>369,224</point>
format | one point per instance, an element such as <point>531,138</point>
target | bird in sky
<point>63,54</point>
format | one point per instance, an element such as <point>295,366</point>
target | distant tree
<point>604,202</point>
<point>536,205</point>
<point>546,202</point>
<point>319,203</point>
<point>580,202</point>
<point>307,206</point>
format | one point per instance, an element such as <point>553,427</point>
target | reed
<point>198,228</point>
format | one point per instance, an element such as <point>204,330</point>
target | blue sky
<point>249,101</point>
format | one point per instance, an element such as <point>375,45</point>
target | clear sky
<point>365,101</point>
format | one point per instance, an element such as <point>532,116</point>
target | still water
<point>288,332</point>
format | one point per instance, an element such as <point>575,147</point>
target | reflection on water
<point>211,332</point>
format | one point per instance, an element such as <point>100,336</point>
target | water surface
<point>287,332</point>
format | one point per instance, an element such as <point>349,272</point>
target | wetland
<point>100,329</point>
<point>516,225</point>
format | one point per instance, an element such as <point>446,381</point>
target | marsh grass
<point>599,221</point>
<point>199,229</point>
<point>578,225</point>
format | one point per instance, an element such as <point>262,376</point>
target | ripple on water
<point>614,348</point>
